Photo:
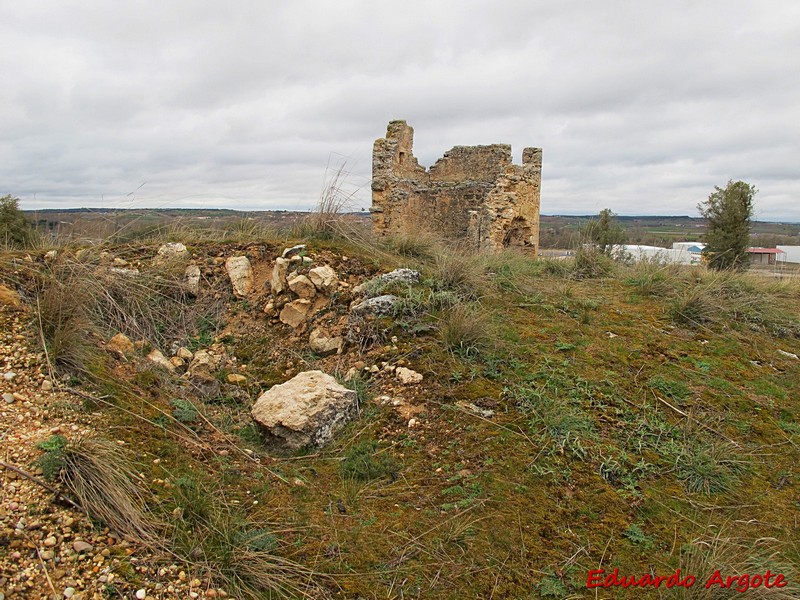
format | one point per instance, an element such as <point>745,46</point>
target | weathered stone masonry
<point>472,193</point>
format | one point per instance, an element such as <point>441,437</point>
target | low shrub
<point>364,462</point>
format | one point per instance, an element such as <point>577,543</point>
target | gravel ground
<point>49,550</point>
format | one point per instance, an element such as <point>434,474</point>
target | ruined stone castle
<point>472,194</point>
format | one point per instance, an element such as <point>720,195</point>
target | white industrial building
<point>792,253</point>
<point>681,253</point>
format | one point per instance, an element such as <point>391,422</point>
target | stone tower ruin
<point>472,194</point>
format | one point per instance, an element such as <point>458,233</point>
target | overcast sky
<point>640,106</point>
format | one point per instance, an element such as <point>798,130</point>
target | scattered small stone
<point>293,251</point>
<point>9,375</point>
<point>9,398</point>
<point>302,286</point>
<point>324,345</point>
<point>172,250</point>
<point>47,385</point>
<point>240,273</point>
<point>191,280</point>
<point>278,281</point>
<point>69,592</point>
<point>788,354</point>
<point>81,546</point>
<point>236,378</point>
<point>380,305</point>
<point>184,353</point>
<point>141,594</point>
<point>408,376</point>
<point>407,276</point>
<point>295,312</point>
<point>324,279</point>
<point>158,358</point>
<point>412,423</point>
<point>121,344</point>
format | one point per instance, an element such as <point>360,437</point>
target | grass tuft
<point>466,330</point>
<point>363,462</point>
<point>100,478</point>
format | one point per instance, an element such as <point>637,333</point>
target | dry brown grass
<point>734,556</point>
<point>98,476</point>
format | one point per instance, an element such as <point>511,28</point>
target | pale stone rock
<point>119,262</point>
<point>380,305</point>
<point>191,280</point>
<point>294,313</point>
<point>81,546</point>
<point>324,345</point>
<point>407,376</point>
<point>407,276</point>
<point>184,353</point>
<point>158,358</point>
<point>177,362</point>
<point>241,274</point>
<point>47,385</point>
<point>236,378</point>
<point>305,411</point>
<point>172,251</point>
<point>302,286</point>
<point>324,279</point>
<point>293,251</point>
<point>278,282</point>
<point>203,359</point>
<point>121,343</point>
<point>51,255</point>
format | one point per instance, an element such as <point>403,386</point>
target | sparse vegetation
<point>100,478</point>
<point>364,462</point>
<point>604,234</point>
<point>16,232</point>
<point>728,211</point>
<point>572,413</point>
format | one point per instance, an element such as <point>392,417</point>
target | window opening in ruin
<point>402,157</point>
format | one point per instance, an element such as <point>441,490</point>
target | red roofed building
<point>765,256</point>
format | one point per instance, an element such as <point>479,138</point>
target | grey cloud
<point>641,107</point>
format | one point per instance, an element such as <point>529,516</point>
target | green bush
<point>15,230</point>
<point>363,462</point>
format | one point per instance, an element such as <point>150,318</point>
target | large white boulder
<point>305,411</point>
